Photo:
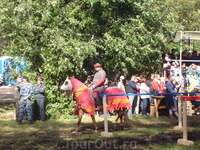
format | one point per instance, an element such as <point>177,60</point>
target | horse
<point>85,103</point>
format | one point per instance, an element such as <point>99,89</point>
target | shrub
<point>59,105</point>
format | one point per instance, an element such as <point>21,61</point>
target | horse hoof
<point>74,132</point>
<point>95,131</point>
<point>121,128</point>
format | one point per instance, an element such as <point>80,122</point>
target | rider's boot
<point>99,104</point>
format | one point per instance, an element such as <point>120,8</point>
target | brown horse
<point>86,104</point>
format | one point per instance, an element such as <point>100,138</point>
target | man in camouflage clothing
<point>39,97</point>
<point>26,91</point>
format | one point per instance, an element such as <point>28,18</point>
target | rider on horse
<point>98,85</point>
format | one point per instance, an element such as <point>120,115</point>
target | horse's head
<point>67,85</point>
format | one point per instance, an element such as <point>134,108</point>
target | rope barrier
<point>153,94</point>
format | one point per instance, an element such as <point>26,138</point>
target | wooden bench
<point>6,95</point>
<point>156,106</point>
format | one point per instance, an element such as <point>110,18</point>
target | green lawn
<point>144,133</point>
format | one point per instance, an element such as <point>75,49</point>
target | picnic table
<point>156,106</point>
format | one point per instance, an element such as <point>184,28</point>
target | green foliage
<point>59,105</point>
<point>62,37</point>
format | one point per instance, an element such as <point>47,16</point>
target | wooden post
<point>156,107</point>
<point>184,120</point>
<point>105,115</point>
<point>180,124</point>
<point>105,133</point>
<point>185,140</point>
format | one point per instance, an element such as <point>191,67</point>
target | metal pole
<point>180,62</point>
<point>182,84</point>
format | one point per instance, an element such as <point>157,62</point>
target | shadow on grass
<point>57,134</point>
<point>41,135</point>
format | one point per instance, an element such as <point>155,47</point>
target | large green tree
<point>70,36</point>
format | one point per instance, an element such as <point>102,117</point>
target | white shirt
<point>144,89</point>
<point>120,85</point>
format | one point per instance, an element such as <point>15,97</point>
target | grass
<point>144,133</point>
<point>6,108</point>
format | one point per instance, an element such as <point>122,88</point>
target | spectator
<point>195,102</point>
<point>198,75</point>
<point>192,77</point>
<point>120,73</point>
<point>170,101</point>
<point>144,89</point>
<point>132,91</point>
<point>156,83</point>
<point>106,83</point>
<point>162,85</point>
<point>17,95</point>
<point>173,54</point>
<point>138,84</point>
<point>88,81</point>
<point>26,91</point>
<point>149,84</point>
<point>194,56</point>
<point>166,56</point>
<point>150,81</point>
<point>39,99</point>
<point>188,55</point>
<point>175,70</point>
<point>120,84</point>
<point>184,56</point>
<point>184,72</point>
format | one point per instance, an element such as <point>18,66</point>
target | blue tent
<point>6,63</point>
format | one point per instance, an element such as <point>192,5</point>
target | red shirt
<point>156,85</point>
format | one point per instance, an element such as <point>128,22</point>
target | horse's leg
<point>80,114</point>
<point>95,124</point>
<point>126,119</point>
<point>120,115</point>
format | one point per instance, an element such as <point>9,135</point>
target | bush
<point>59,105</point>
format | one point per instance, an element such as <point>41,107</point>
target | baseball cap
<point>25,77</point>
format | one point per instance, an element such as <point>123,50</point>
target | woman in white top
<point>144,89</point>
<point>120,84</point>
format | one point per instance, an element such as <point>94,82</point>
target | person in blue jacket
<point>131,91</point>
<point>171,102</point>
<point>26,91</point>
<point>39,98</point>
